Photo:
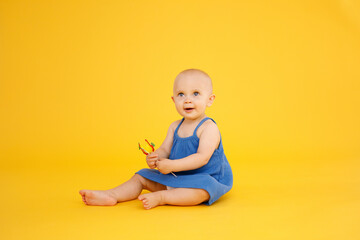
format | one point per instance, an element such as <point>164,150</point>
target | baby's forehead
<point>193,79</point>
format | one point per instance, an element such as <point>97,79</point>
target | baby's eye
<point>196,93</point>
<point>180,94</point>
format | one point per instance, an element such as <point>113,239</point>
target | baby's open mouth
<point>188,109</point>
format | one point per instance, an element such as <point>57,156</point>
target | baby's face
<point>192,94</point>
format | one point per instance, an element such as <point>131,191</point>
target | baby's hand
<point>151,160</point>
<point>164,165</point>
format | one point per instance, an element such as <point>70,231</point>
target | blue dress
<point>215,177</point>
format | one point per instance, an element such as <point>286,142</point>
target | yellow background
<point>82,82</point>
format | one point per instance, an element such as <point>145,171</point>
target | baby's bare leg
<point>177,196</point>
<point>129,190</point>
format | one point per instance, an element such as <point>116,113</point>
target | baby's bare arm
<point>164,150</point>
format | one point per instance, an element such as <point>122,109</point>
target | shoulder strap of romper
<point>177,128</point>
<point>200,123</point>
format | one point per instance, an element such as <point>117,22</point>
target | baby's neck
<point>188,126</point>
<point>194,121</point>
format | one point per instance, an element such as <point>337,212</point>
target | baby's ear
<point>211,100</point>
<point>173,99</point>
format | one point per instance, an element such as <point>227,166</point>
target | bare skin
<point>132,189</point>
<point>192,94</point>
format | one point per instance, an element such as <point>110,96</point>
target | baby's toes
<point>145,202</point>
<point>83,195</point>
<point>143,198</point>
<point>146,205</point>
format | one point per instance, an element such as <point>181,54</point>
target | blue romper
<point>215,177</point>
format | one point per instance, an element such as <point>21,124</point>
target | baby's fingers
<point>150,157</point>
<point>153,155</point>
<point>152,164</point>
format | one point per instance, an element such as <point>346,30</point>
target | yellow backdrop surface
<point>82,82</point>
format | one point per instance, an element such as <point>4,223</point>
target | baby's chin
<point>193,117</point>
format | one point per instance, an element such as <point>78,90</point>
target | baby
<point>192,150</point>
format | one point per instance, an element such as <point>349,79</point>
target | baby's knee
<point>203,195</point>
<point>149,184</point>
<point>199,196</point>
<point>143,181</point>
<point>138,178</point>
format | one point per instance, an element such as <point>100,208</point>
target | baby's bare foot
<point>151,200</point>
<point>97,198</point>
